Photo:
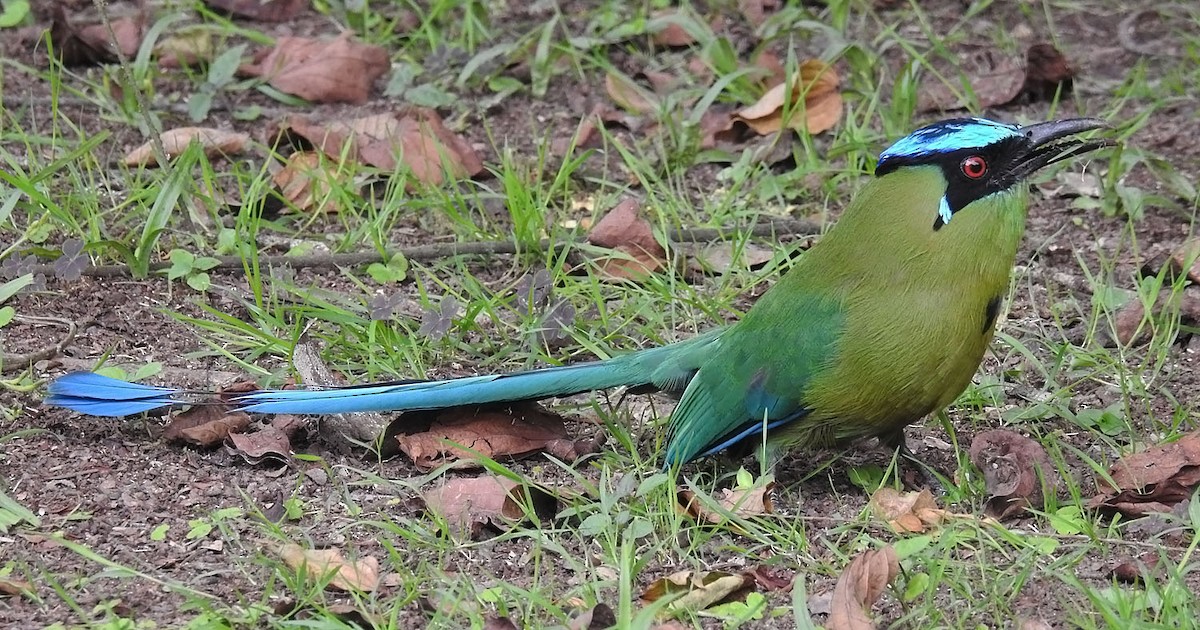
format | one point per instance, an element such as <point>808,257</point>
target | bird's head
<point>979,158</point>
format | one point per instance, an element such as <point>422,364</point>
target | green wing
<point>756,373</point>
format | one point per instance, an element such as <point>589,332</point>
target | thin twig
<point>783,227</point>
<point>15,362</point>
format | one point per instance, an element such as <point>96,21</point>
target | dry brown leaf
<point>819,110</point>
<point>743,502</point>
<point>306,182</point>
<point>721,256</point>
<point>494,433</point>
<point>756,11</point>
<point>499,623</point>
<point>770,67</point>
<point>92,45</point>
<point>698,591</point>
<point>269,441</point>
<point>768,578</point>
<point>1186,260</point>
<point>415,137</point>
<point>175,141</point>
<point>585,136</point>
<point>470,503</point>
<point>205,425</point>
<point>908,511</point>
<point>189,47</point>
<point>637,253</point>
<point>629,95</point>
<point>338,70</point>
<point>1047,73</point>
<point>859,587</point>
<point>360,575</point>
<point>262,10</point>
<point>15,588</point>
<point>1153,480</point>
<point>599,617</point>
<point>1014,468</point>
<point>671,34</point>
<point>995,79</point>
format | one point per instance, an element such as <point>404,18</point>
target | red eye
<point>974,167</point>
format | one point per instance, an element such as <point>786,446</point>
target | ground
<point>133,531</point>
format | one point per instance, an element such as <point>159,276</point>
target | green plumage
<point>882,322</point>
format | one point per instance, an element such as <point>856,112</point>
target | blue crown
<point>948,135</point>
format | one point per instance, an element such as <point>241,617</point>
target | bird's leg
<point>919,474</point>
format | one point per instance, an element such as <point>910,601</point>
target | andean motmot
<point>882,322</point>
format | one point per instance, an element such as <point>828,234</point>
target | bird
<point>884,321</point>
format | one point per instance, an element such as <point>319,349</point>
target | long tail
<point>667,367</point>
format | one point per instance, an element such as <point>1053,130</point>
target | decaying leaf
<point>360,575</point>
<point>1153,480</point>
<point>667,30</point>
<point>908,511</point>
<point>813,102</point>
<point>10,587</point>
<point>1185,260</point>
<point>586,136</point>
<point>338,70</point>
<point>993,77</point>
<point>460,436</point>
<point>756,11</point>
<point>205,425</point>
<point>470,503</point>
<point>637,254</point>
<point>188,47</point>
<point>415,137</point>
<point>1047,73</point>
<point>743,502</point>
<point>1014,468</point>
<point>307,181</point>
<point>599,617</point>
<point>697,591</point>
<point>629,95</point>
<point>859,587</point>
<point>92,44</point>
<point>721,256</point>
<point>268,442</point>
<point>175,141</point>
<point>262,10</point>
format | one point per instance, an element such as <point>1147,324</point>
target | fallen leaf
<point>755,11</point>
<point>770,67</point>
<point>262,10</point>
<point>205,425</point>
<point>1132,570</point>
<point>629,95</point>
<point>266,442</point>
<point>469,504</point>
<point>667,30</point>
<point>585,136</point>
<point>360,575</point>
<point>415,137</point>
<point>1153,480</point>
<point>994,79</point>
<point>460,436</point>
<point>743,502</point>
<point>17,588</point>
<point>721,256</point>
<point>338,70</point>
<point>637,254</point>
<point>813,101</point>
<point>175,141</point>
<point>1014,468</point>
<point>92,44</point>
<point>306,182</point>
<point>599,617</point>
<point>1047,73</point>
<point>859,587</point>
<point>1186,260</point>
<point>189,47</point>
<point>1127,323</point>
<point>499,623</point>
<point>908,511</point>
<point>768,578</point>
<point>697,591</point>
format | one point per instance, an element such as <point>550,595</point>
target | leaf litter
<point>330,70</point>
<point>1152,481</point>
